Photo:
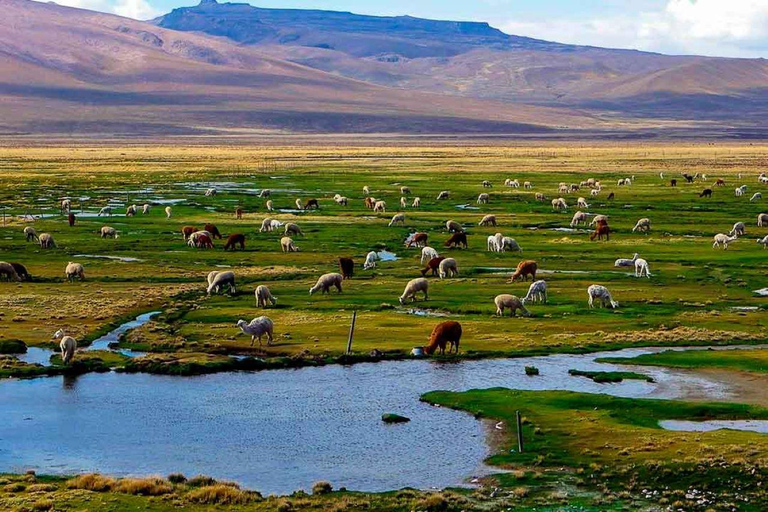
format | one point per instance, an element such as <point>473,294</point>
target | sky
<point>727,28</point>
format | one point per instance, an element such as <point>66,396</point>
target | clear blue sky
<point>711,27</point>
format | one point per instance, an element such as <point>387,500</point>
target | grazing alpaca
<point>707,192</point>
<point>269,205</point>
<point>46,241</point>
<point>416,240</point>
<point>8,271</point>
<point>457,240</point>
<point>21,271</point>
<point>483,198</point>
<point>448,268</point>
<point>168,212</point>
<point>380,207</point>
<point>131,211</point>
<point>292,229</point>
<point>265,193</point>
<point>524,269</point>
<point>602,231</point>
<point>286,243</point>
<point>488,220</point>
<point>739,229</point>
<point>672,183</point>
<point>257,328</point>
<point>30,233</point>
<point>600,292</point>
<point>762,220</point>
<point>347,267</point>
<point>537,292</point>
<point>416,202</point>
<point>238,213</point>
<point>219,280</point>
<point>234,240</point>
<point>108,232</point>
<point>68,345</point>
<point>203,242</point>
<point>187,231</point>
<point>453,227</point>
<point>312,204</point>
<point>264,296</point>
<point>74,270</point>
<point>213,230</point>
<point>325,282</point>
<point>413,287</point>
<point>720,182</point>
<point>578,218</point>
<point>145,209</point>
<point>643,225</point>
<point>433,265</point>
<point>510,302</point>
<point>398,218</point>
<point>442,334</point>
<point>763,241</point>
<point>641,268</point>
<point>428,253</point>
<point>71,219</point>
<point>611,196</point>
<point>370,260</point>
<point>443,195</point>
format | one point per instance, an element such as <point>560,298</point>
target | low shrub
<point>322,488</point>
<point>221,494</point>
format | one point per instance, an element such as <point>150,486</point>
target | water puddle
<point>763,292</point>
<point>467,207</point>
<point>422,312</point>
<point>760,426</point>
<point>387,256</point>
<point>124,259</point>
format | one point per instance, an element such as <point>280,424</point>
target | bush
<point>41,488</point>
<point>221,494</point>
<point>433,503</point>
<point>201,481</point>
<point>531,371</point>
<point>15,487</point>
<point>177,478</point>
<point>12,347</point>
<point>45,504</point>
<point>143,486</point>
<point>322,488</point>
<point>92,482</point>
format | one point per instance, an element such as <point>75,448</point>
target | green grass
<point>752,360</point>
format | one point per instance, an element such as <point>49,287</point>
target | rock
<point>394,418</point>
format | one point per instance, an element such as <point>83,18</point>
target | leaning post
<point>519,432</point>
<point>351,332</point>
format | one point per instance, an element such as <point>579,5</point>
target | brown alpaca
<point>706,193</point>
<point>524,269</point>
<point>234,240</point>
<point>204,242</point>
<point>370,203</point>
<point>238,213</point>
<point>213,230</point>
<point>188,230</point>
<point>457,240</point>
<point>418,240</point>
<point>433,265</point>
<point>720,182</point>
<point>442,334</point>
<point>602,231</point>
<point>347,267</point>
<point>312,203</point>
<point>71,219</point>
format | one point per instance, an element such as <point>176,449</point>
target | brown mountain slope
<point>67,70</point>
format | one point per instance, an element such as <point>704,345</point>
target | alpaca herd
<point>436,265</point>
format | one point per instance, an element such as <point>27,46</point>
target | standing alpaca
<point>416,202</point>
<point>723,239</point>
<point>74,270</point>
<point>762,220</point>
<point>257,328</point>
<point>641,268</point>
<point>168,212</point>
<point>537,292</point>
<point>600,292</point>
<point>145,209</point>
<point>510,302</point>
<point>68,345</point>
<point>443,334</point>
<point>264,296</point>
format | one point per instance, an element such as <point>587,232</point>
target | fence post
<point>519,432</point>
<point>351,332</point>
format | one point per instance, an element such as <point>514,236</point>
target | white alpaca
<point>370,260</point>
<point>428,253</point>
<point>724,240</point>
<point>492,245</point>
<point>299,206</point>
<point>168,212</point>
<point>258,328</point>
<point>755,197</point>
<point>763,241</point>
<point>559,204</point>
<point>380,206</point>
<point>403,203</point>
<point>286,243</point>
<point>68,346</point>
<point>264,296</point>
<point>109,232</point>
<point>643,225</point>
<point>510,244</point>
<point>762,220</point>
<point>413,287</point>
<point>528,185</point>
<point>600,292</point>
<point>325,282</point>
<point>107,210</point>
<point>145,209</point>
<point>641,268</point>
<point>443,195</point>
<point>594,191</point>
<point>397,219</point>
<point>220,281</point>
<point>270,206</point>
<point>448,268</point>
<point>741,191</point>
<point>488,220</point>
<point>537,292</point>
<point>483,198</point>
<point>578,218</point>
<point>623,262</point>
<point>582,203</point>
<point>416,202</point>
<point>739,229</point>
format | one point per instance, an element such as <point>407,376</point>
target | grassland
<point>754,360</point>
<point>608,449</point>
<point>691,298</point>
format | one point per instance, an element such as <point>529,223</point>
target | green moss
<point>608,377</point>
<point>752,360</point>
<point>12,347</point>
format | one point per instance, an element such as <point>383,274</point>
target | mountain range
<point>235,69</point>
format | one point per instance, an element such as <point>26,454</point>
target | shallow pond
<point>278,431</point>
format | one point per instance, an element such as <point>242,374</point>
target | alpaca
<point>600,292</point>
<point>257,328</point>
<point>68,346</point>
<point>443,334</point>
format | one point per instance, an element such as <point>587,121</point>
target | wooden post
<point>351,332</point>
<point>519,432</point>
<point>3,217</point>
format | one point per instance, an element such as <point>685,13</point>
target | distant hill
<point>476,60</point>
<point>72,71</point>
